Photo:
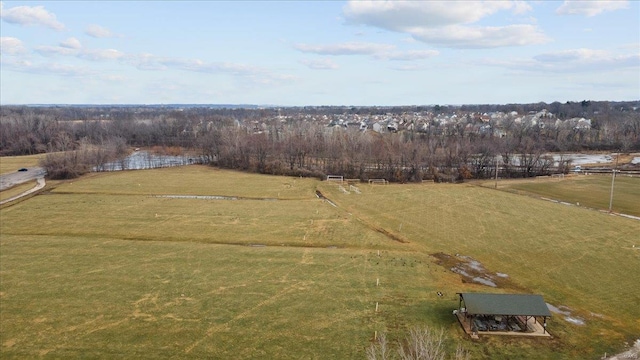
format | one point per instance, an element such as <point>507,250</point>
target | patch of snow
<point>566,311</point>
<point>457,270</point>
<point>484,281</point>
<point>574,320</point>
<point>473,263</point>
<point>502,275</point>
<point>562,310</point>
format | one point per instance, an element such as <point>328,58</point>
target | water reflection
<point>140,160</point>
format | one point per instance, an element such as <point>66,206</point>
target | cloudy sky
<point>318,53</point>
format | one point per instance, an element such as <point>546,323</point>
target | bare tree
<point>379,350</point>
<point>422,343</point>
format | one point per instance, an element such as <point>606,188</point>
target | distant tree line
<point>284,141</point>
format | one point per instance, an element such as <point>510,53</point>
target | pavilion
<point>502,314</point>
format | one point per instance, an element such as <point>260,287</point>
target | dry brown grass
<point>83,273</point>
<point>17,190</point>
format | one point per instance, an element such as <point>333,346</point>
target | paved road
<point>19,177</point>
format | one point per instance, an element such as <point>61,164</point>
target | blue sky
<point>318,52</point>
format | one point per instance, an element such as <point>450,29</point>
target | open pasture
<point>575,257</point>
<point>108,266</point>
<point>593,191</point>
<point>197,180</point>
<point>162,205</point>
<point>10,164</point>
<point>100,297</point>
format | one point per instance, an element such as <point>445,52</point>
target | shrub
<point>420,344</point>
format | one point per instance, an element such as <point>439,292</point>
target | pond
<point>141,160</point>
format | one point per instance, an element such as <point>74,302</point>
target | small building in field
<point>502,314</point>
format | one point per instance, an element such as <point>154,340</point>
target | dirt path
<point>40,185</point>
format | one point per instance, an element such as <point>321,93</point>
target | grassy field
<point>10,164</point>
<point>593,191</point>
<point>108,266</point>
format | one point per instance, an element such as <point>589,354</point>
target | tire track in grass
<point>271,300</point>
<point>245,313</point>
<point>73,328</point>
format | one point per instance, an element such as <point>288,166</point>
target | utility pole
<point>496,186</point>
<point>613,180</point>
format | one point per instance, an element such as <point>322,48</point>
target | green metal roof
<point>505,304</point>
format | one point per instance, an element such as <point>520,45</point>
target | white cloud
<point>72,47</point>
<point>98,31</point>
<point>375,50</point>
<point>409,67</point>
<point>145,61</point>
<point>46,50</point>
<point>589,58</point>
<point>571,61</point>
<point>30,15</point>
<point>590,8</point>
<point>407,55</point>
<point>235,68</point>
<point>47,68</point>
<point>71,43</point>
<point>446,23</point>
<point>101,54</point>
<point>254,74</point>
<point>573,55</point>
<point>469,37</point>
<point>351,48</point>
<point>319,64</point>
<point>69,47</point>
<point>404,16</point>
<point>11,46</point>
<point>521,7</point>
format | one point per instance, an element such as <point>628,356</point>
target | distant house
<point>583,124</point>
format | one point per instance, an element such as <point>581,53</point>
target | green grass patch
<point>193,180</point>
<point>9,164</point>
<point>100,297</point>
<point>573,256</point>
<point>593,191</point>
<point>108,266</point>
